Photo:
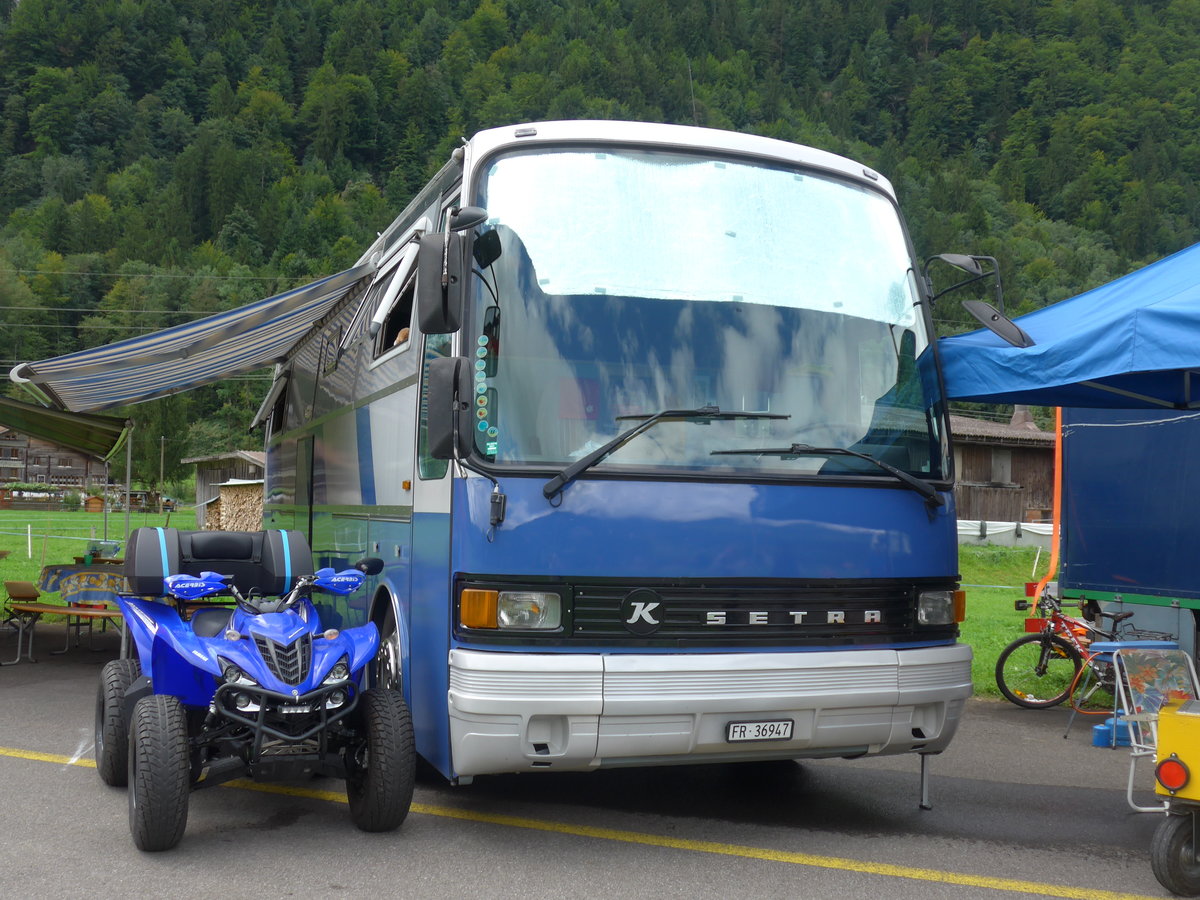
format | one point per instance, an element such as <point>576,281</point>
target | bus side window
<point>279,413</point>
<point>397,327</point>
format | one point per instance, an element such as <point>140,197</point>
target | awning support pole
<point>128,477</point>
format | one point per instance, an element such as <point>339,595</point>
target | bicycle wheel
<point>1038,670</point>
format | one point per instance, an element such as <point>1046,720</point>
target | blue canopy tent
<point>1133,343</point>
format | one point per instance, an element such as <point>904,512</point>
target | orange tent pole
<point>1056,519</point>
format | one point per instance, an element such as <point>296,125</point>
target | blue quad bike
<point>260,690</point>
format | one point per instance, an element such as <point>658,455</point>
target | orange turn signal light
<point>1172,773</point>
<point>960,606</point>
<point>477,609</point>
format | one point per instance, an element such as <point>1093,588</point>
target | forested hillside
<point>161,160</point>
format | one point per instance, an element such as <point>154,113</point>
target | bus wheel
<point>1173,855</point>
<point>386,672</point>
<point>381,766</point>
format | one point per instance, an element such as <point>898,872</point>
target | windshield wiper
<point>932,497</point>
<point>555,485</point>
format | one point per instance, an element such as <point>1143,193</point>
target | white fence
<point>1005,534</point>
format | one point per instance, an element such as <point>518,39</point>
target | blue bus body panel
<point>645,529</point>
<point>426,671</point>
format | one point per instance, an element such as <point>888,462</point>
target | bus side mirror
<point>441,272</point>
<point>450,403</point>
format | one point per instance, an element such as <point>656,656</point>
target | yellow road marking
<point>1036,888</point>
<point>47,757</point>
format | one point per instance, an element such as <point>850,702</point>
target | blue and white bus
<point>647,424</point>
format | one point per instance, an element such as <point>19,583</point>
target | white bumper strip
<point>518,712</point>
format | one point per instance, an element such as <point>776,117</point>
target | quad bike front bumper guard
<point>258,704</point>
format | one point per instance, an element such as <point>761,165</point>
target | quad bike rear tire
<point>381,766</point>
<point>112,726</point>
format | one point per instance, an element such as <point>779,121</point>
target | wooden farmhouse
<point>31,460</point>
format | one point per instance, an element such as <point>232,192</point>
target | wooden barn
<point>1005,470</point>
<point>238,466</point>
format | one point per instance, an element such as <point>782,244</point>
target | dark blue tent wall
<point>1130,516</point>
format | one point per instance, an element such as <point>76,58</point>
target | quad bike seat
<point>210,621</point>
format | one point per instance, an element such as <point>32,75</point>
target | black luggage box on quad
<point>268,561</point>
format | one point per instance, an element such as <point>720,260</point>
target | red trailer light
<point>1172,773</point>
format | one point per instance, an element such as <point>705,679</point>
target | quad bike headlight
<point>339,672</point>
<point>231,674</point>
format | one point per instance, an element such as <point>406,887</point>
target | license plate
<point>767,730</point>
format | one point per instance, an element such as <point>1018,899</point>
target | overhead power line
<point>149,275</point>
<point>92,309</point>
<point>139,328</point>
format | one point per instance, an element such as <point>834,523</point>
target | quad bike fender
<point>170,653</point>
<point>364,644</point>
<point>183,671</point>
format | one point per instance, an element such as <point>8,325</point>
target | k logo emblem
<point>642,612</point>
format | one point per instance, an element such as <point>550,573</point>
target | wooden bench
<point>24,617</point>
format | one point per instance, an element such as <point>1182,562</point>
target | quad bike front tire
<point>112,727</point>
<point>381,765</point>
<point>159,773</point>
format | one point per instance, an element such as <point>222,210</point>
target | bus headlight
<point>935,608</point>
<point>529,609</point>
<point>510,610</point>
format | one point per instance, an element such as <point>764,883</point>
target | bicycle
<point>1042,669</point>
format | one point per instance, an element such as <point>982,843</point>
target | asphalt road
<point>1017,811</point>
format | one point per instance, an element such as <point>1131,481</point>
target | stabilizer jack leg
<point>925,804</point>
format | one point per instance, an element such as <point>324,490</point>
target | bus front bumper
<point>517,712</point>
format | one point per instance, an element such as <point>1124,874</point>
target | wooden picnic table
<point>24,617</point>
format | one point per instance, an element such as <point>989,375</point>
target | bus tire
<point>385,669</point>
<point>159,773</point>
<point>1172,856</point>
<point>112,728</point>
<point>381,765</point>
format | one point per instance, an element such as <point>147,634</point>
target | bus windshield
<point>617,284</point>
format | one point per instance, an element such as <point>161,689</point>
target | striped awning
<point>98,436</point>
<point>185,356</point>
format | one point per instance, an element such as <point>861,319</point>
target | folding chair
<point>1101,661</point>
<point>19,592</point>
<point>1145,680</point>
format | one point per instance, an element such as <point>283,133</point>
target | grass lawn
<point>993,578</point>
<point>58,537</point>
